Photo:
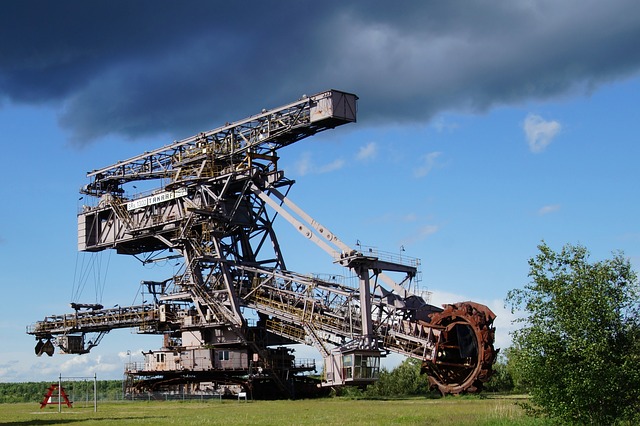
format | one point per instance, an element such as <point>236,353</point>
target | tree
<point>403,380</point>
<point>578,351</point>
<point>501,379</point>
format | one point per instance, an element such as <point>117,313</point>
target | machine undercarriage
<point>228,313</point>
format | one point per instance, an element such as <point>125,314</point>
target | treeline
<point>76,390</point>
<point>406,380</point>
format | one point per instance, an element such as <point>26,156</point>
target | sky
<point>484,128</point>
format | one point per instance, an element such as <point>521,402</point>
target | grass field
<point>329,411</point>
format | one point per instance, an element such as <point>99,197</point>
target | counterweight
<point>216,197</point>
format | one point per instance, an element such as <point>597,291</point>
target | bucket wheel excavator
<point>229,314</point>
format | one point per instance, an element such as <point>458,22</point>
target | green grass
<point>329,411</point>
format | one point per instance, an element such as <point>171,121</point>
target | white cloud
<point>330,167</point>
<point>548,209</point>
<point>305,166</point>
<point>409,217</point>
<point>367,152</point>
<point>503,323</point>
<point>540,132</point>
<point>8,370</point>
<point>427,230</point>
<point>420,234</point>
<point>442,125</point>
<point>429,161</point>
<point>75,363</point>
<point>82,366</point>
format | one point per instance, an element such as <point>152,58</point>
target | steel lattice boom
<point>227,313</point>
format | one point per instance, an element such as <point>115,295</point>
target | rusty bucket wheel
<point>465,353</point>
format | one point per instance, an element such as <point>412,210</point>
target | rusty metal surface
<point>465,354</point>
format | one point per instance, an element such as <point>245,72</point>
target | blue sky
<point>482,131</point>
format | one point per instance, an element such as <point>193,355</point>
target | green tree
<point>578,349</point>
<point>403,380</point>
<point>501,380</point>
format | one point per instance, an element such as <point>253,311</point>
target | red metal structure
<point>54,399</point>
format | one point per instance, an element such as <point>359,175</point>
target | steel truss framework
<point>219,194</point>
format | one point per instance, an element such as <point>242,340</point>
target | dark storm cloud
<point>136,68</point>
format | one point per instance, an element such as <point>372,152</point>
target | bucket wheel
<point>465,352</point>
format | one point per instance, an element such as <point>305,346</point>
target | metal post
<point>60,393</point>
<point>365,304</point>
<point>95,393</point>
